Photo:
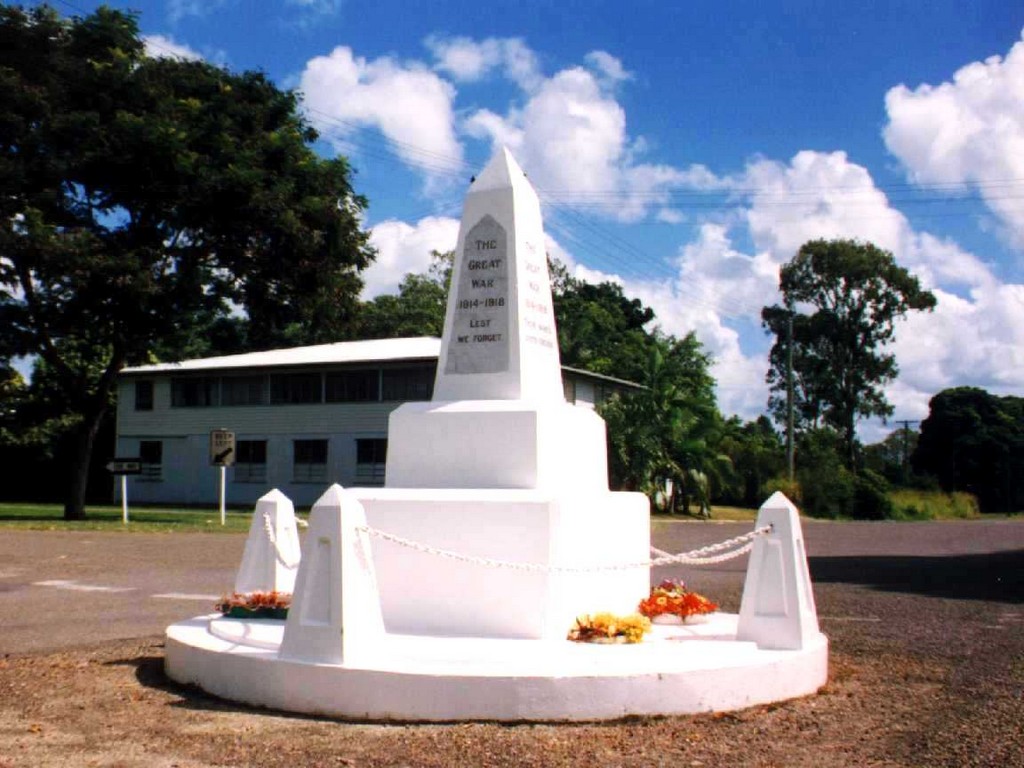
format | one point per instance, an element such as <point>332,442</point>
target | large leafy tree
<point>974,441</point>
<point>600,329</point>
<point>417,309</point>
<point>843,298</point>
<point>144,197</point>
<point>757,455</point>
<point>661,440</point>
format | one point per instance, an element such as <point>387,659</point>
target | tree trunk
<point>92,416</point>
<point>74,504</point>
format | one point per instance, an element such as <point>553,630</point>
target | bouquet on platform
<point>672,598</point>
<point>608,628</point>
<point>256,605</point>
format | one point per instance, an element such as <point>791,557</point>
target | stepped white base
<point>676,670</point>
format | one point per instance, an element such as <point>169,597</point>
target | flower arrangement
<point>606,627</point>
<point>672,598</point>
<point>256,605</point>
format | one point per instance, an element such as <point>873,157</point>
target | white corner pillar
<point>777,610</point>
<point>335,615</point>
<point>272,553</point>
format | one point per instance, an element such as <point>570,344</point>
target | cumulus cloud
<point>717,289</point>
<point>976,332</point>
<point>967,133</point>
<point>571,136</point>
<point>403,248</point>
<point>470,60</point>
<point>408,103</point>
<point>161,47</point>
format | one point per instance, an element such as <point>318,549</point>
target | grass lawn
<point>50,517</point>
<point>719,513</point>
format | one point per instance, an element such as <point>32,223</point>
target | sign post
<point>124,467</point>
<point>222,454</point>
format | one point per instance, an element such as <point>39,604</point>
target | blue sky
<point>685,149</point>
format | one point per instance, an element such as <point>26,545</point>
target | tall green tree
<point>843,298</point>
<point>600,329</point>
<point>662,440</point>
<point>974,441</point>
<point>143,196</point>
<point>757,455</point>
<point>419,307</point>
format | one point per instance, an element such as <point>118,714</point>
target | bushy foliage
<point>973,441</point>
<point>146,198</point>
<point>910,504</point>
<point>871,497</point>
<point>841,298</point>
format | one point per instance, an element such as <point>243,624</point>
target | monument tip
<point>501,172</point>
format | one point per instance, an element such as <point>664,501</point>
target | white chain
<point>269,528</point>
<point>702,556</point>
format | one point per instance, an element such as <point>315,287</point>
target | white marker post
<point>222,454</point>
<point>124,467</point>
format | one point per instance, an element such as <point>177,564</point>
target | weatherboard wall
<point>185,475</point>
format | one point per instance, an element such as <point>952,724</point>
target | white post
<point>223,472</point>
<point>335,615</point>
<point>124,499</point>
<point>777,610</point>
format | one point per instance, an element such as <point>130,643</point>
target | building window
<point>151,456</point>
<point>569,389</point>
<point>194,392</point>
<point>408,383</point>
<point>290,388</point>
<point>243,390</point>
<point>310,461</point>
<point>371,455</point>
<point>353,386</point>
<point>250,461</point>
<point>144,395</point>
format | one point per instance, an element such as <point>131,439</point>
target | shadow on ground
<point>997,576</point>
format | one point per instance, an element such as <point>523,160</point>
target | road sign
<point>124,466</point>
<point>222,448</point>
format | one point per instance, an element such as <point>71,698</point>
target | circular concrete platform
<point>676,670</point>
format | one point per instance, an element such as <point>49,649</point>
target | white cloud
<point>975,334</point>
<point>407,102</point>
<point>403,248</point>
<point>608,67</point>
<point>317,7</point>
<point>161,47</point>
<point>180,9</point>
<point>968,132</point>
<point>470,60</point>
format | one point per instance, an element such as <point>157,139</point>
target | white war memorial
<point>448,594</point>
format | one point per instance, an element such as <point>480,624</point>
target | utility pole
<point>906,444</point>
<point>789,392</point>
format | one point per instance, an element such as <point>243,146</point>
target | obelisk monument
<point>498,465</point>
<point>500,341</point>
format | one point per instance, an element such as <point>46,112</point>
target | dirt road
<point>926,623</point>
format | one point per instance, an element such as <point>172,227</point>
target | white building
<point>303,417</point>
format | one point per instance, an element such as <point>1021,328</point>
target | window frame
<point>248,468</point>
<point>305,471</point>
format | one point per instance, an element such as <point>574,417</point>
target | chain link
<point>269,528</point>
<point>709,555</point>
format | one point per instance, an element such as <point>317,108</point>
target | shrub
<point>871,497</point>
<point>933,505</point>
<point>789,488</point>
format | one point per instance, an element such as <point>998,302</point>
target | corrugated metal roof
<point>376,350</point>
<point>372,351</point>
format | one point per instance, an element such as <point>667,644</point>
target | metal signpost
<point>124,467</point>
<point>222,454</point>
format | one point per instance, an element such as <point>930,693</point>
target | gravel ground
<point>926,669</point>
